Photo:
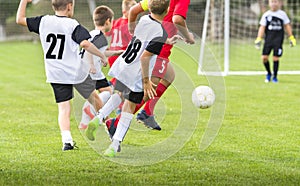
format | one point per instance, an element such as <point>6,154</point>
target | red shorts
<point>160,67</point>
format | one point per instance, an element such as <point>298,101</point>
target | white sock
<point>115,144</point>
<point>66,137</point>
<point>113,103</point>
<point>104,96</point>
<point>123,126</point>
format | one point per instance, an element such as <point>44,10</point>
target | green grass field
<point>256,142</point>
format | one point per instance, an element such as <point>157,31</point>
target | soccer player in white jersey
<point>61,38</point>
<point>102,18</point>
<point>133,68</point>
<point>272,26</point>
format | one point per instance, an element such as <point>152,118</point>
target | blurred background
<point>244,23</point>
<point>244,15</point>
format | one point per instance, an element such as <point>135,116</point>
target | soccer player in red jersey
<point>120,36</point>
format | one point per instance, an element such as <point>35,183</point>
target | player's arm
<point>149,90</point>
<point>259,37</point>
<point>21,13</point>
<point>134,12</point>
<point>109,53</point>
<point>173,40</point>
<point>180,23</point>
<point>288,29</point>
<point>261,31</point>
<point>90,60</point>
<point>91,48</point>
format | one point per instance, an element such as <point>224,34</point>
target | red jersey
<point>120,37</point>
<point>177,7</point>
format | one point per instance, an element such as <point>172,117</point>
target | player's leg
<point>113,102</point>
<point>265,59</point>
<point>275,69</point>
<point>87,90</point>
<point>131,99</point>
<point>162,86</point>
<point>64,112</point>
<point>165,71</point>
<point>88,110</point>
<point>63,94</point>
<point>112,123</point>
<point>277,53</point>
<point>87,114</point>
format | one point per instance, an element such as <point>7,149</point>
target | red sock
<point>117,120</point>
<point>87,110</point>
<point>150,104</point>
<point>138,106</point>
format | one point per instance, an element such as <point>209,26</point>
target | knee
<point>265,59</point>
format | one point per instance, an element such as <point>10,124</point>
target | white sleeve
<point>263,21</point>
<point>286,19</point>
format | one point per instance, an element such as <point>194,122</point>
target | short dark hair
<point>158,6</point>
<point>59,5</point>
<point>101,14</point>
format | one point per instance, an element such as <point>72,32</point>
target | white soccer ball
<point>203,97</point>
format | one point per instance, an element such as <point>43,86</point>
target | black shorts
<point>64,92</point>
<point>103,83</point>
<point>277,50</point>
<point>135,97</point>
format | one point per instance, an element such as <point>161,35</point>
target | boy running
<point>61,36</point>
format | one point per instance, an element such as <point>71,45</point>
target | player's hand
<point>257,42</point>
<point>131,27</point>
<point>104,61</point>
<point>191,39</point>
<point>173,40</point>
<point>92,69</point>
<point>292,41</point>
<point>149,90</point>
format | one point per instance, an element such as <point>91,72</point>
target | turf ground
<point>256,142</point>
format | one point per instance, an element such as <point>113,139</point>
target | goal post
<point>229,30</point>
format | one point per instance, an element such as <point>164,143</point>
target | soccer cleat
<point>268,78</point>
<point>110,152</point>
<point>148,121</point>
<point>92,127</point>
<point>275,80</point>
<point>69,146</point>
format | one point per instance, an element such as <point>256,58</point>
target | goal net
<point>229,30</point>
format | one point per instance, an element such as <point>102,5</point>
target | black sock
<point>267,67</point>
<point>275,68</point>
